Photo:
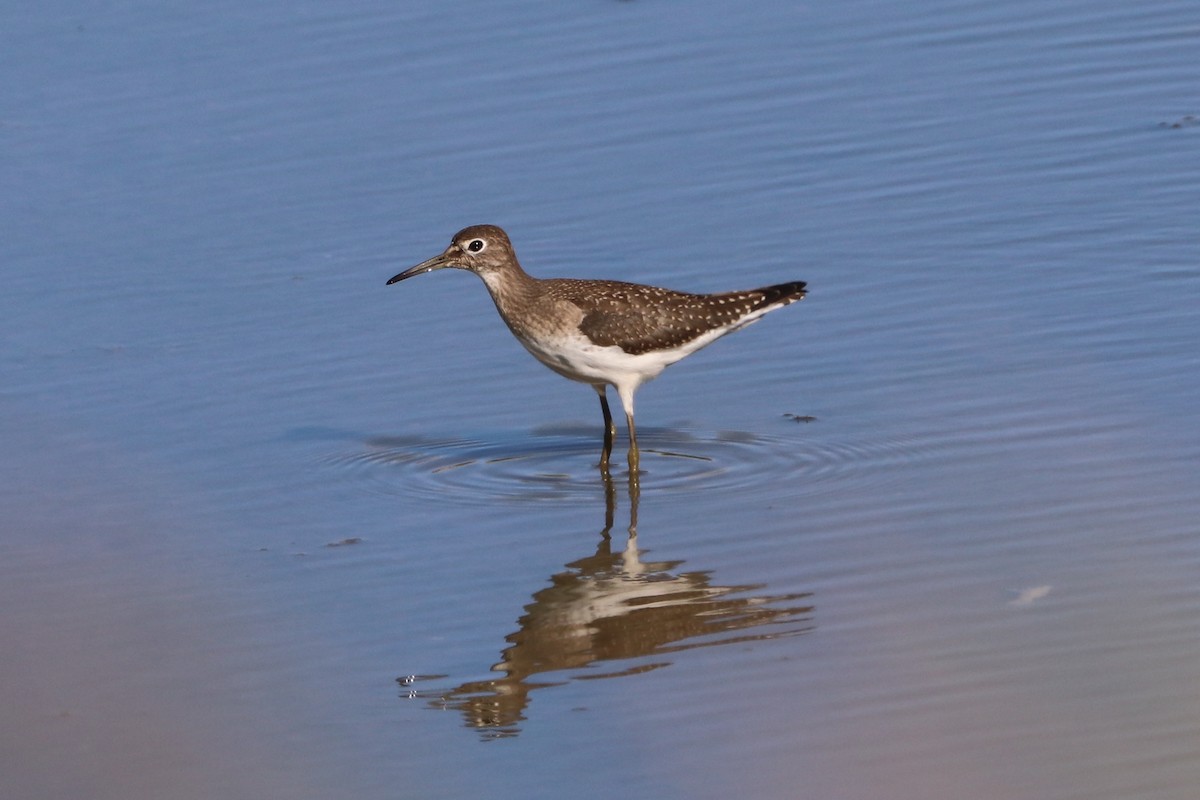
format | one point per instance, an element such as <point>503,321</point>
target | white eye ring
<point>476,245</point>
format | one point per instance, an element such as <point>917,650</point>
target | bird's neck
<point>511,288</point>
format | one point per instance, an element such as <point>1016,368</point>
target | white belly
<point>579,359</point>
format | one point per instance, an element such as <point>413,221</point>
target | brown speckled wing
<point>639,319</point>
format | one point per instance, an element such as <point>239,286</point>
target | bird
<point>601,332</point>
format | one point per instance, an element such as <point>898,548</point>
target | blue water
<point>270,528</point>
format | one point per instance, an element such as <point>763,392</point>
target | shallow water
<point>271,528</point>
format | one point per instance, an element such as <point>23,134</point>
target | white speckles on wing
<point>642,319</point>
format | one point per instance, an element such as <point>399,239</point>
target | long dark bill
<point>437,262</point>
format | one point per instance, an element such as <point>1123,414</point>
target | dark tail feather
<point>781,294</point>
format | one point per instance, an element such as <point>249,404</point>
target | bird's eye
<point>475,245</point>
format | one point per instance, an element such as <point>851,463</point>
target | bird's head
<point>479,248</point>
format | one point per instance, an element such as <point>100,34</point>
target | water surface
<point>271,528</point>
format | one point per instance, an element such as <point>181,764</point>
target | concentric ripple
<point>561,463</point>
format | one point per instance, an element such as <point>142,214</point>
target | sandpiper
<point>602,332</point>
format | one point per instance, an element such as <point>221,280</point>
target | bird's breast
<point>574,356</point>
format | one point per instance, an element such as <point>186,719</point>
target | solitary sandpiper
<point>602,332</point>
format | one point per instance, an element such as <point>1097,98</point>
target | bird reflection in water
<point>614,607</point>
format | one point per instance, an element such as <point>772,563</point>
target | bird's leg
<point>610,429</point>
<point>635,493</point>
<point>634,455</point>
<point>626,390</point>
<point>610,504</point>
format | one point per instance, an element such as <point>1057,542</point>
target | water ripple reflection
<point>560,463</point>
<point>612,607</point>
